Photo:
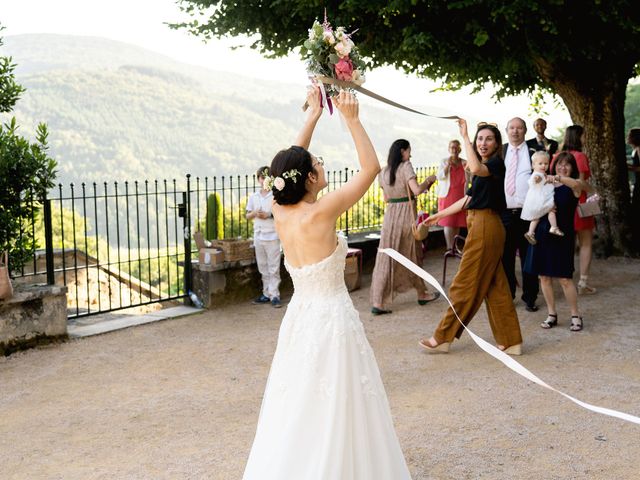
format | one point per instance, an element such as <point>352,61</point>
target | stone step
<point>126,321</point>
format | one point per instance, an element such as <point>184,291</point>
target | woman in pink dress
<point>452,181</point>
<point>573,139</point>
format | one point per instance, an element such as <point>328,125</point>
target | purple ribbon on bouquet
<point>496,352</point>
<point>324,99</point>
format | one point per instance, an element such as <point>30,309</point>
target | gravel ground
<point>180,399</point>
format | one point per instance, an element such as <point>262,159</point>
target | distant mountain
<point>117,111</point>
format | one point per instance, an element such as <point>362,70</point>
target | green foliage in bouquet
<point>332,53</point>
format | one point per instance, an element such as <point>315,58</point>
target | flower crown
<point>279,182</point>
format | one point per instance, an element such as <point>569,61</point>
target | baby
<point>539,200</point>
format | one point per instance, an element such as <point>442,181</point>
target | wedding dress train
<point>325,414</point>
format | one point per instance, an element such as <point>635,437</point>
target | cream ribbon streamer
<point>496,352</point>
<point>344,84</point>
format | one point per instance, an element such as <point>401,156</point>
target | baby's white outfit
<point>539,200</point>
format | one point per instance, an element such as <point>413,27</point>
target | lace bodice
<point>323,278</point>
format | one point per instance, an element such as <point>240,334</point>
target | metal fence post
<point>186,200</point>
<point>48,242</point>
<point>346,217</point>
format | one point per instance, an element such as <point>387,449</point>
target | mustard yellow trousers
<point>482,278</point>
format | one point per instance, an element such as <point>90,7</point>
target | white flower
<point>268,183</point>
<point>339,33</point>
<point>278,182</point>
<point>327,36</point>
<point>291,174</point>
<point>357,77</point>
<point>343,48</point>
<point>312,34</point>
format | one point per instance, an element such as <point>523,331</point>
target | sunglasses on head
<point>485,124</point>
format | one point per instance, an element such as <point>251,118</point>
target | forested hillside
<point>117,112</point>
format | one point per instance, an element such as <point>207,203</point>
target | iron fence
<point>123,245</point>
<point>234,191</point>
<point>113,245</point>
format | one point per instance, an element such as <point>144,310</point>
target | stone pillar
<point>36,314</point>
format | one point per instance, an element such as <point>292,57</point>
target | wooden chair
<point>458,246</point>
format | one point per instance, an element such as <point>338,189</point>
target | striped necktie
<point>511,174</point>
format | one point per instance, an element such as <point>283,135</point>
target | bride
<point>324,413</point>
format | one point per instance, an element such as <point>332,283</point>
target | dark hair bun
<point>293,158</point>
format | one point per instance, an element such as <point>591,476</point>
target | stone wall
<point>35,315</point>
<point>230,282</point>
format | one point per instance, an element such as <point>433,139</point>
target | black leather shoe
<point>379,311</point>
<point>532,307</point>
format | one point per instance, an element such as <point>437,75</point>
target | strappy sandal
<point>551,321</point>
<point>584,289</point>
<point>531,238</point>
<point>576,323</point>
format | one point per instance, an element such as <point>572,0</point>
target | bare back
<point>307,229</point>
<point>306,234</point>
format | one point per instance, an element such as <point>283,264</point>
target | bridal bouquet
<point>331,53</point>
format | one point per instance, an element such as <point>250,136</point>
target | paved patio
<point>179,399</point>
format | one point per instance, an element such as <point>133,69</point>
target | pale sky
<point>141,22</point>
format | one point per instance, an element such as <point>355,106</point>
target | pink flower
<point>344,69</point>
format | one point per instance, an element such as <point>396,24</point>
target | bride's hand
<point>347,103</point>
<point>313,99</point>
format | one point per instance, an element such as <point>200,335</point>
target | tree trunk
<point>597,104</point>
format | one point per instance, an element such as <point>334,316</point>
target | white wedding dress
<point>324,414</point>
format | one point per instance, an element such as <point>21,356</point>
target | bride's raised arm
<point>339,201</point>
<point>314,112</point>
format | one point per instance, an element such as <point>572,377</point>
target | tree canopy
<point>465,42</point>
<point>585,51</point>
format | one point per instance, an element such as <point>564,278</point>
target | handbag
<point>419,230</point>
<point>6,289</point>
<point>590,207</point>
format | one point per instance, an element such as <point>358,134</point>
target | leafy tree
<point>26,173</point>
<point>583,51</point>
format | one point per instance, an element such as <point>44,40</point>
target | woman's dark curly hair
<point>293,158</point>
<point>570,159</point>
